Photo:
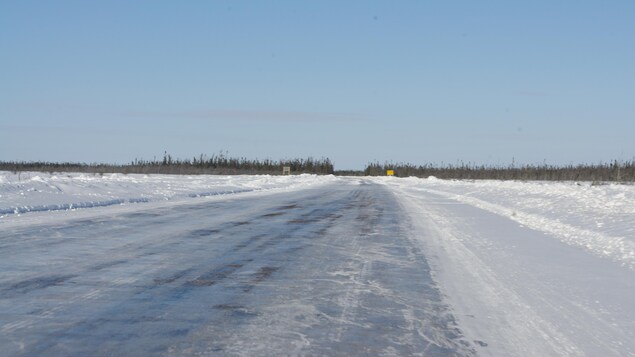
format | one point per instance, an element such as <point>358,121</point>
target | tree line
<point>223,164</point>
<point>613,171</point>
<point>220,164</point>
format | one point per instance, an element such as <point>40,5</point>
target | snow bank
<point>36,191</point>
<point>600,219</point>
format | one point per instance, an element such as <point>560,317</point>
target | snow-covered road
<point>521,290</point>
<point>313,266</point>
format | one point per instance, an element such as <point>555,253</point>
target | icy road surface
<point>342,267</point>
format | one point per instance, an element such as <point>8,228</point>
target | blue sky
<point>486,82</point>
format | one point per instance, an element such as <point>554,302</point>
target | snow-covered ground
<point>598,218</point>
<point>38,191</point>
<point>530,268</point>
<point>266,265</point>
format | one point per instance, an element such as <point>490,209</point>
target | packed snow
<point>315,265</point>
<point>597,217</point>
<point>37,191</point>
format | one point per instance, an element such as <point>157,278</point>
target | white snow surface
<point>530,268</point>
<point>597,218</point>
<point>527,268</point>
<point>37,191</point>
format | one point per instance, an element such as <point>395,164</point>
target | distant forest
<point>614,171</point>
<point>220,164</point>
<point>223,164</point>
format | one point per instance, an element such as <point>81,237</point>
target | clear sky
<point>356,81</point>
